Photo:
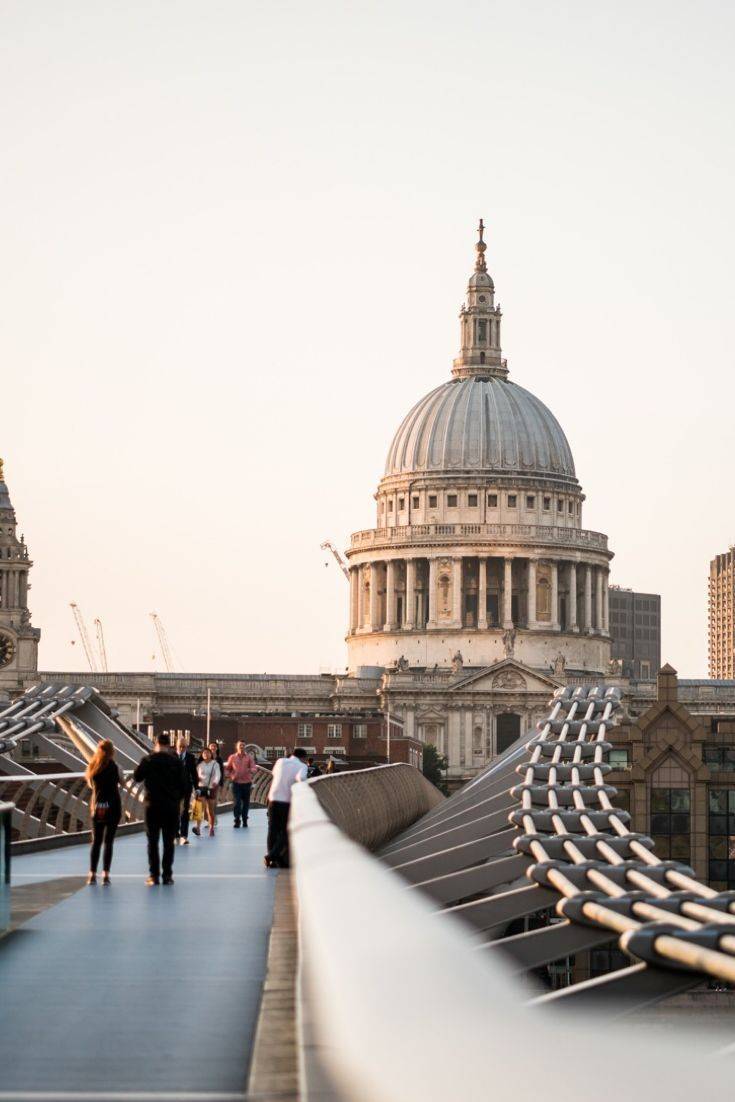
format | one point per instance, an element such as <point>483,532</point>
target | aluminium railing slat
<point>622,992</point>
<point>536,948</point>
<point>457,857</point>
<point>456,886</point>
<point>467,832</point>
<point>498,910</point>
<point>485,806</point>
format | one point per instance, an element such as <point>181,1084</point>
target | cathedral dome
<point>484,424</point>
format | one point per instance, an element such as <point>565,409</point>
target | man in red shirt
<point>240,767</point>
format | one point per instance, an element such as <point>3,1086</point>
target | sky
<point>235,240</point>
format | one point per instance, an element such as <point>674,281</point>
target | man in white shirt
<point>286,773</point>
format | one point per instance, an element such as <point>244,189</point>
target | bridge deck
<point>136,989</point>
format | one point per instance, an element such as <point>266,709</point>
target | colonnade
<point>13,588</point>
<point>480,592</point>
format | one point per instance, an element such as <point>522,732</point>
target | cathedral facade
<point>475,596</point>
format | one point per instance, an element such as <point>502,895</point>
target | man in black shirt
<point>189,766</point>
<point>163,776</point>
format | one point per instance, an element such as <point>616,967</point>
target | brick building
<point>357,739</point>
<point>675,773</point>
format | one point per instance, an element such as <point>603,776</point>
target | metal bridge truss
<point>499,851</point>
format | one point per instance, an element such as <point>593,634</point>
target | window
<point>720,757</point>
<point>530,501</point>
<point>452,501</point>
<point>432,501</point>
<point>472,501</point>
<point>305,730</point>
<point>401,504</point>
<point>275,752</point>
<point>547,503</point>
<point>359,730</point>
<point>337,750</point>
<point>671,823</point>
<point>390,506</point>
<point>619,759</point>
<point>570,507</point>
<point>721,838</point>
<point>492,500</point>
<point>512,501</point>
<point>334,730</point>
<point>560,505</point>
<point>415,502</point>
<point>645,671</point>
<point>481,330</point>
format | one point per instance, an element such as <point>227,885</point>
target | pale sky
<point>235,240</point>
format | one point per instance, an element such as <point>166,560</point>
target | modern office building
<point>721,625</point>
<point>635,629</point>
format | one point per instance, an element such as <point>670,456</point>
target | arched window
<point>543,599</point>
<point>670,811</point>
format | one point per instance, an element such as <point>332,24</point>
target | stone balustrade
<point>541,535</point>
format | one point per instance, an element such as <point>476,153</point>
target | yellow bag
<point>197,810</point>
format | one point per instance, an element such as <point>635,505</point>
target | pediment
<point>508,676</point>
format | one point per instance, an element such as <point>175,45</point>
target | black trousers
<point>183,831</point>
<point>102,832</point>
<point>278,833</point>
<point>161,821</point>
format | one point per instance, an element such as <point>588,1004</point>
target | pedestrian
<point>331,767</point>
<point>313,769</point>
<point>241,767</point>
<point>216,756</point>
<point>103,777</point>
<point>163,776</point>
<point>189,766</point>
<point>286,773</point>
<point>208,779</point>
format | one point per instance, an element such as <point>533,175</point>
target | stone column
<point>532,593</point>
<point>482,593</point>
<point>587,625</point>
<point>457,593</point>
<point>433,569</point>
<point>598,600</point>
<point>508,594</point>
<point>374,602</point>
<point>354,597</point>
<point>605,602</point>
<point>391,621</point>
<point>555,597</point>
<point>409,611</point>
<point>572,610</point>
<point>3,589</point>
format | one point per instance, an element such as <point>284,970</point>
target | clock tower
<point>18,639</point>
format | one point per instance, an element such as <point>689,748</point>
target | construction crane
<point>328,546</point>
<point>163,640</point>
<point>101,644</point>
<point>84,636</point>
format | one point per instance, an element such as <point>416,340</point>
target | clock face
<point>7,650</point>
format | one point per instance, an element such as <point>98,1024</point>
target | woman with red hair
<point>103,777</point>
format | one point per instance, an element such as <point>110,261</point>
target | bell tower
<point>18,639</point>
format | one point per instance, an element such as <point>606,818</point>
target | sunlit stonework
<point>479,553</point>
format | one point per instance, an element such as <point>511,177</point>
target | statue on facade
<point>457,662</point>
<point>560,664</point>
<point>402,664</point>
<point>509,641</point>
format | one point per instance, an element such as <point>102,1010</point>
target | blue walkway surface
<point>137,989</point>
